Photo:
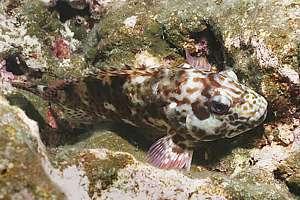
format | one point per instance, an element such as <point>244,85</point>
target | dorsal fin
<point>123,71</point>
<point>198,62</point>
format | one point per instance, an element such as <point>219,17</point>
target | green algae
<point>119,44</point>
<point>289,172</point>
<point>112,141</point>
<point>46,26</point>
<point>79,30</point>
<point>229,20</point>
<point>101,172</point>
<point>21,169</point>
<point>34,108</point>
<point>106,171</point>
<point>40,21</point>
<point>238,188</point>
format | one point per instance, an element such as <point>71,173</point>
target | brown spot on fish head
<point>178,90</point>
<point>222,78</point>
<point>199,111</point>
<point>205,92</point>
<point>192,90</point>
<point>185,100</point>
<point>238,101</point>
<point>207,87</point>
<point>230,81</point>
<point>183,81</point>
<point>198,79</point>
<point>166,92</point>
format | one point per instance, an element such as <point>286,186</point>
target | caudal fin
<point>46,92</point>
<point>166,154</point>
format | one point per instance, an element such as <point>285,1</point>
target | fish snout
<point>259,111</point>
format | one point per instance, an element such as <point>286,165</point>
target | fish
<point>186,103</point>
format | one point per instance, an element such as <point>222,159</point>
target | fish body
<point>188,104</point>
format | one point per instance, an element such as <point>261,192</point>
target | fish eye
<point>220,105</point>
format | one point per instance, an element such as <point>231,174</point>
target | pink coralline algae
<point>61,49</point>
<point>5,75</point>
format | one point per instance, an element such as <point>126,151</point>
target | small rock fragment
<point>286,136</point>
<point>290,73</point>
<point>130,22</point>
<point>147,60</point>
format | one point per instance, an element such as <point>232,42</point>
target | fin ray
<point>166,154</point>
<point>200,63</point>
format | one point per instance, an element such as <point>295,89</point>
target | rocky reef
<point>43,40</point>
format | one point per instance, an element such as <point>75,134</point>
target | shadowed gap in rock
<point>218,55</point>
<point>67,12</point>
<point>16,64</point>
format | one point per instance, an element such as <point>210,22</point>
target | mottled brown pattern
<point>201,112</point>
<point>236,101</point>
<point>187,104</point>
<point>231,118</point>
<point>205,92</point>
<point>185,100</point>
<point>149,98</point>
<point>198,79</point>
<point>192,90</point>
<point>222,78</point>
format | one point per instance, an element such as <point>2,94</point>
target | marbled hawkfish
<point>187,103</point>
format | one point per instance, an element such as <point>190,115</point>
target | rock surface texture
<point>49,39</point>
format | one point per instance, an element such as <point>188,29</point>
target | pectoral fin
<point>166,154</point>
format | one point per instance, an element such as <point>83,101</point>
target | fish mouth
<point>263,117</point>
<point>263,111</point>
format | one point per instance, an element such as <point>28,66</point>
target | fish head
<point>217,106</point>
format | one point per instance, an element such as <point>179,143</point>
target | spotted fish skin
<point>189,104</point>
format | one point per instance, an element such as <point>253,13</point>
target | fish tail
<point>48,93</point>
<point>35,89</point>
